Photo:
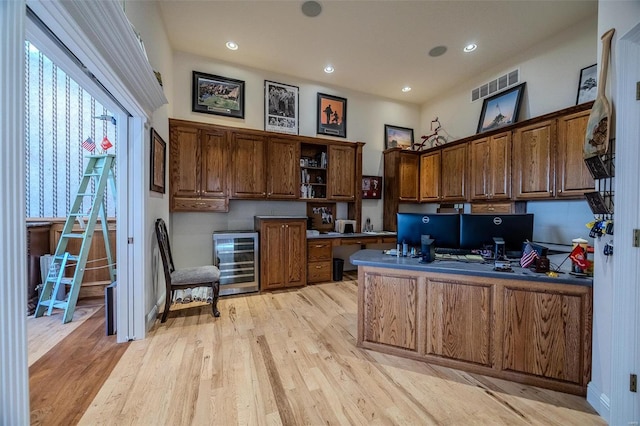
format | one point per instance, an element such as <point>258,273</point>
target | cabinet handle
<point>319,246</point>
<point>318,267</point>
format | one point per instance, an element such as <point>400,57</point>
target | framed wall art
<point>501,110</point>
<point>213,94</point>
<point>158,161</point>
<point>588,84</point>
<point>332,115</point>
<point>280,108</point>
<point>395,136</point>
<point>371,187</point>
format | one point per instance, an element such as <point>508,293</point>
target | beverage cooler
<point>235,253</point>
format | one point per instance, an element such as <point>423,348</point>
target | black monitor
<point>477,230</point>
<point>443,228</point>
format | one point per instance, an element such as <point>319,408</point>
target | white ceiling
<point>376,47</point>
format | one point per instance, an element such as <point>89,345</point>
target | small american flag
<point>529,255</point>
<point>89,144</point>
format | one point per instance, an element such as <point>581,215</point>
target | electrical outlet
<point>633,383</point>
<point>637,90</point>
<point>636,238</point>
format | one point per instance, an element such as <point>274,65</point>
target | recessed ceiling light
<point>437,51</point>
<point>470,47</point>
<point>406,89</point>
<point>311,8</point>
<point>329,69</point>
<point>232,46</point>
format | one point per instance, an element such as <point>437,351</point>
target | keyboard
<point>452,251</point>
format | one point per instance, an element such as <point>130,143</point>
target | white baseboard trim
<point>599,401</point>
<point>151,317</point>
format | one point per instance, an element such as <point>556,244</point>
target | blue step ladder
<point>93,185</point>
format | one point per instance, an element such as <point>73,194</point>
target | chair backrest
<point>165,249</point>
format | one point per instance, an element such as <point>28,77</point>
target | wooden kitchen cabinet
<point>490,167</point>
<point>454,173</point>
<point>572,175</point>
<point>319,257</point>
<point>401,174</point>
<point>197,172</point>
<point>342,176</point>
<point>430,176</point>
<point>283,252</point>
<point>533,160</point>
<point>493,208</point>
<point>283,177</point>
<point>248,165</point>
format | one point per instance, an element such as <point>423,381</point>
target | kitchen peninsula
<point>520,326</point>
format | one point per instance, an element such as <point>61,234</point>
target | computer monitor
<point>478,230</point>
<point>443,228</point>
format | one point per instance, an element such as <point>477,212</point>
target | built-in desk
<point>320,250</point>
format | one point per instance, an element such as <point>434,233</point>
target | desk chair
<point>179,279</point>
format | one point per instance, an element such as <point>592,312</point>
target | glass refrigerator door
<point>236,258</point>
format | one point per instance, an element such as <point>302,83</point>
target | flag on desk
<point>529,255</point>
<point>89,144</point>
<point>579,257</point>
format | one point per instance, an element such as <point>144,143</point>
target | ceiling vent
<point>494,86</point>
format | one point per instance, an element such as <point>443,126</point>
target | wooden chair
<point>180,279</point>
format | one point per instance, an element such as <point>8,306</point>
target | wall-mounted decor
<point>371,187</point>
<point>332,115</point>
<point>395,136</point>
<point>501,110</point>
<point>588,84</point>
<point>213,94</point>
<point>158,157</point>
<point>280,108</point>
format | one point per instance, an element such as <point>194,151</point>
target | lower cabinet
<point>535,333</point>
<point>319,256</point>
<point>283,252</point>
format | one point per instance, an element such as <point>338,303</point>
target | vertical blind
<point>59,116</point>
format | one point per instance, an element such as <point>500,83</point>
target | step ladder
<point>99,171</point>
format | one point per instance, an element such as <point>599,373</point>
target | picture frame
<point>212,94</point>
<point>588,84</point>
<point>501,110</point>
<point>158,161</point>
<point>332,115</point>
<point>281,108</point>
<point>396,136</point>
<point>371,187</point>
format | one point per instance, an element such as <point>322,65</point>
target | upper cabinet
<point>572,176</point>
<point>283,178</point>
<point>248,165</point>
<point>342,179</point>
<point>430,176</point>
<point>454,173</point>
<point>533,160</point>
<point>490,167</point>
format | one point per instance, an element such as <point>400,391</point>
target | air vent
<point>494,86</point>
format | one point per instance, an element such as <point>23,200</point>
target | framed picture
<point>588,84</point>
<point>501,110</point>
<point>371,187</point>
<point>395,136</point>
<point>158,157</point>
<point>332,115</point>
<point>280,108</point>
<point>213,94</point>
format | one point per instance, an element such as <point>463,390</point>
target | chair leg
<point>214,303</point>
<point>167,305</point>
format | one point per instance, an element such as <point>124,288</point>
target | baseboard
<point>599,401</point>
<point>151,318</point>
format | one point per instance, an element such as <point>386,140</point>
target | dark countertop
<point>354,235</point>
<point>378,259</point>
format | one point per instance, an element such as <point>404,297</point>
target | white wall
<point>145,17</point>
<point>366,117</point>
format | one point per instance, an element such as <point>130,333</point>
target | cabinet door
<point>283,177</point>
<point>430,177</point>
<point>215,160</point>
<point>533,166</point>
<point>185,162</point>
<point>500,167</point>
<point>342,161</point>
<point>454,169</point>
<point>295,253</point>
<point>248,165</point>
<point>408,177</point>
<point>272,247</point>
<point>572,176</point>
<point>479,164</point>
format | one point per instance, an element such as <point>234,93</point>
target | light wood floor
<point>290,358</point>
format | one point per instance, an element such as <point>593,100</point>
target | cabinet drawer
<point>319,272</point>
<point>201,204</point>
<point>318,250</point>
<point>359,241</point>
<point>492,208</point>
